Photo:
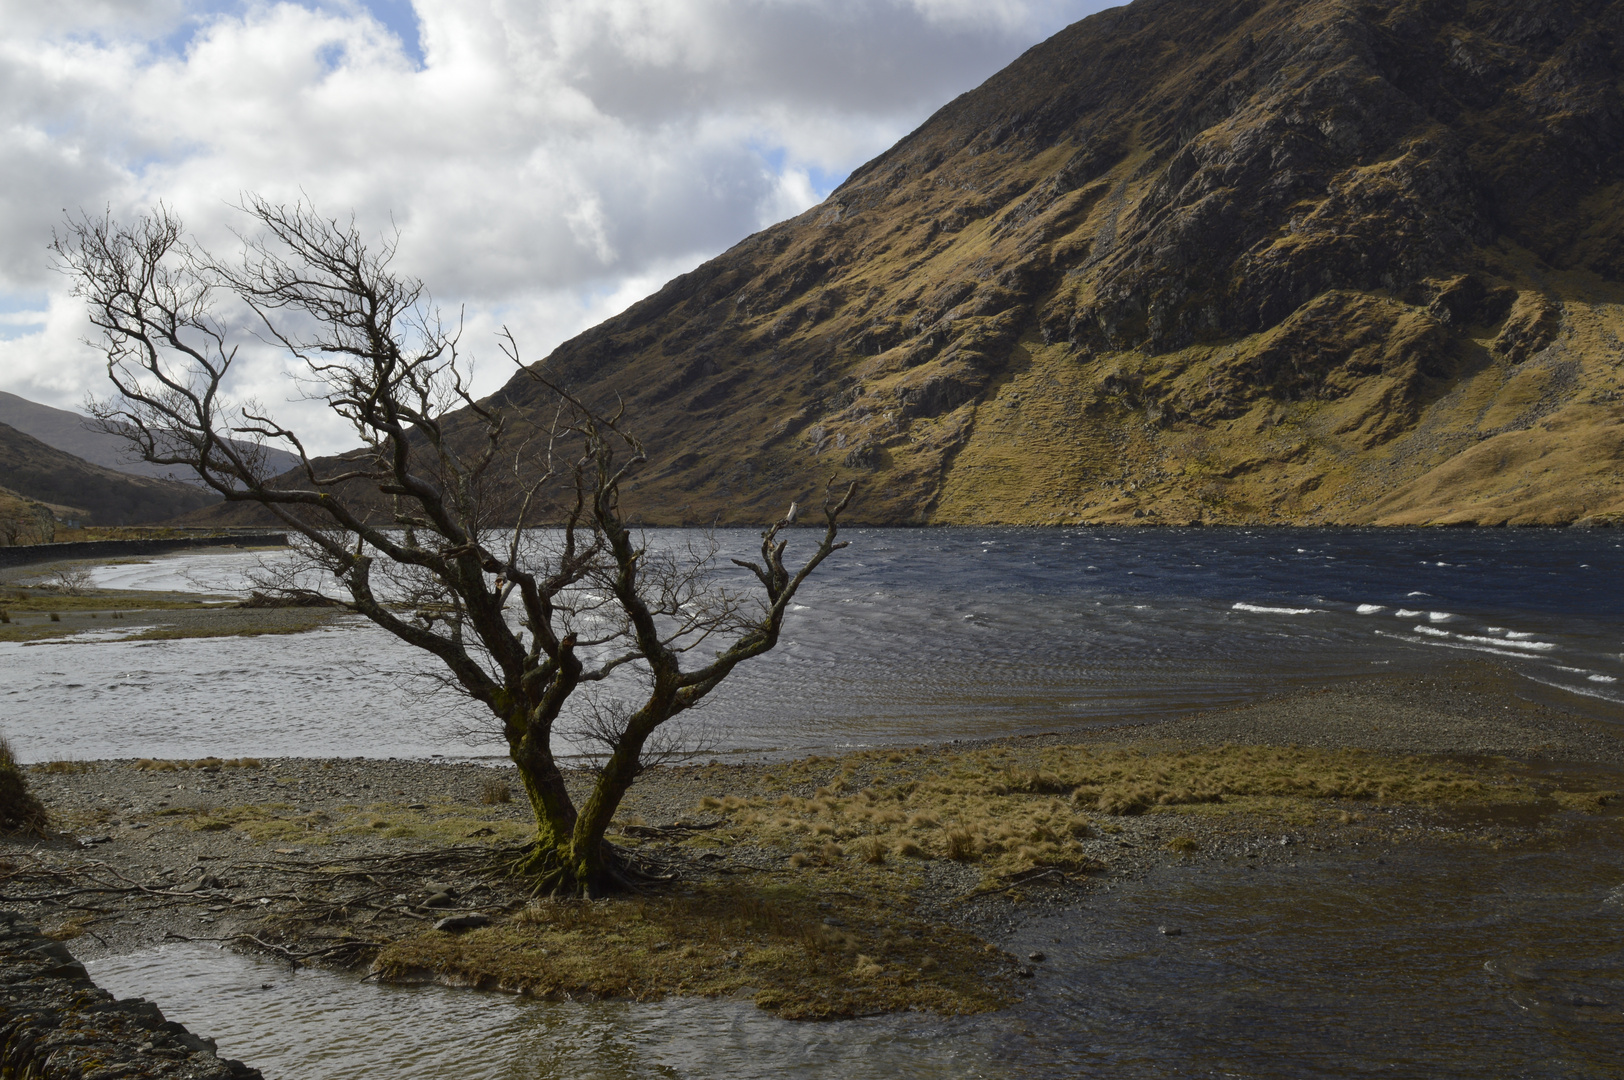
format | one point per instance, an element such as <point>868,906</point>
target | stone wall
<point>31,554</point>
<point>55,1024</point>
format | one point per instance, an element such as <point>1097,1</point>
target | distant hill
<point>72,432</point>
<point>90,494</point>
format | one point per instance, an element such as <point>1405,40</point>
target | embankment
<point>56,1024</point>
<point>34,554</point>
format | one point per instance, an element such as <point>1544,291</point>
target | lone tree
<point>491,540</point>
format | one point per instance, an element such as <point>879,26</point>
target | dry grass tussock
<point>1010,812</point>
<point>208,763</point>
<point>20,811</point>
<point>715,939</point>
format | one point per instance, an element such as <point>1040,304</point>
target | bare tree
<point>432,525</point>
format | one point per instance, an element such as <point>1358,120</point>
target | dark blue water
<point>908,636</point>
<point>961,632</point>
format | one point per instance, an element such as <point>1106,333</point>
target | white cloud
<point>546,164</point>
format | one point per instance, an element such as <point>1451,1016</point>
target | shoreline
<point>350,863</point>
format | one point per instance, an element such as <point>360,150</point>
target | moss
<point>1589,802</point>
<point>779,941</point>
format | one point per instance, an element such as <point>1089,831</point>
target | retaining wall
<point>30,554</point>
<point>55,1024</point>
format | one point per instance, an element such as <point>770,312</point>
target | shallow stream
<point>1416,961</point>
<point>1428,960</point>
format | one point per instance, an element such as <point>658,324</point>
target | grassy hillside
<point>78,491</point>
<point>1235,261</point>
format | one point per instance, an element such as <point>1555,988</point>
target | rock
<point>206,883</point>
<point>1170,931</point>
<point>471,921</point>
<point>1036,957</point>
<point>439,900</point>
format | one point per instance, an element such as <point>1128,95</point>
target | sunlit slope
<point>1539,441</point>
<point>1227,261</point>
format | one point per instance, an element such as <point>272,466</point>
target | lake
<point>906,636</point>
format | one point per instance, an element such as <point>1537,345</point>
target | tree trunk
<point>552,861</point>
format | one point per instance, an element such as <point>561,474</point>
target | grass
<point>191,619</point>
<point>62,766</point>
<point>821,916</point>
<point>304,620</point>
<point>275,822</point>
<point>773,940</point>
<point>1010,812</point>
<point>34,601</point>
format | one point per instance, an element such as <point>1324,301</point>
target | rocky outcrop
<point>55,1024</point>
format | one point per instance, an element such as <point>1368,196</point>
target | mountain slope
<point>1229,260</point>
<point>74,434</point>
<point>75,489</point>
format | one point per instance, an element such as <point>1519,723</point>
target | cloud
<point>545,165</point>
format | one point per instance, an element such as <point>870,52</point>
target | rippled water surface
<point>907,635</point>
<point>1478,964</point>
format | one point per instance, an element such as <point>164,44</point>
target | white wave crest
<point>1519,635</point>
<point>1370,609</point>
<point>1542,646</point>
<point>1439,616</point>
<point>1406,613</point>
<point>1601,678</point>
<point>1261,610</point>
<point>1431,632</point>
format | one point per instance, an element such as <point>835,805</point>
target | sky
<point>546,164</point>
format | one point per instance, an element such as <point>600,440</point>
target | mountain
<point>73,433</point>
<point>1250,261</point>
<point>89,494</point>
